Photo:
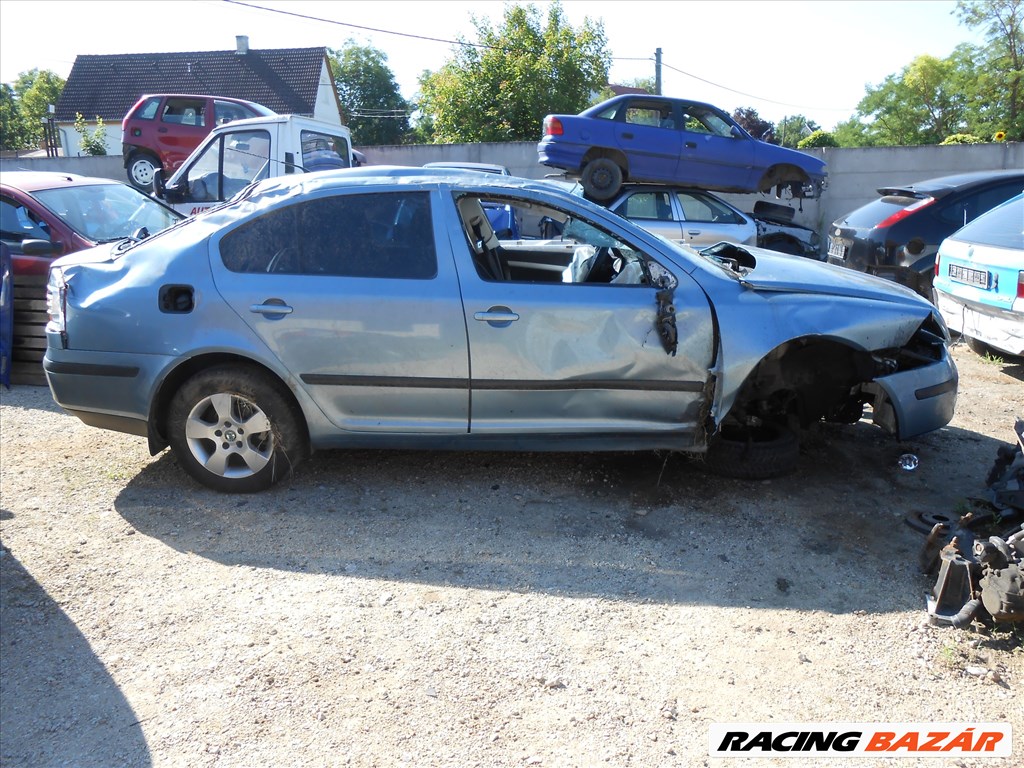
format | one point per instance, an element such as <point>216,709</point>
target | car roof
<point>646,97</point>
<point>959,182</point>
<point>485,167</point>
<point>31,181</point>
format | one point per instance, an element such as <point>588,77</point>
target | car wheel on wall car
<point>601,178</point>
<point>234,430</point>
<point>753,453</point>
<point>140,171</point>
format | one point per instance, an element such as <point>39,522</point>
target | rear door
<point>182,123</point>
<point>355,295</point>
<point>645,131</point>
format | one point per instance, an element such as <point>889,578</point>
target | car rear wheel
<point>233,429</point>
<point>141,169</point>
<point>753,453</point>
<point>601,178</point>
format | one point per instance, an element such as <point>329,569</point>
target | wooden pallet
<point>30,318</point>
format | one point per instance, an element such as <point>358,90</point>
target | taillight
<point>552,126</point>
<point>1020,285</point>
<point>904,212</point>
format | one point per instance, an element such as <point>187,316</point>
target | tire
<point>207,424</point>
<point>141,169</point>
<point>977,346</point>
<point>753,453</point>
<point>601,179</point>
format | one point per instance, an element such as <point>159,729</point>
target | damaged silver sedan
<point>377,307</point>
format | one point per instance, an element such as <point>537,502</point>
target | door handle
<point>499,317</point>
<point>161,130</point>
<point>627,135</point>
<point>693,232</point>
<point>272,309</point>
<point>691,145</point>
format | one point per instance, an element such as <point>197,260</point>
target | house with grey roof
<point>286,80</point>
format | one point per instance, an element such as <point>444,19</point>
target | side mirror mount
<point>159,187</point>
<point>39,247</point>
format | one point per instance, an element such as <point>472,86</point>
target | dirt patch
<point>461,609</point>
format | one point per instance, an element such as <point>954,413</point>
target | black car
<point>897,235</point>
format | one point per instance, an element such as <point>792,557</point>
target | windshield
<point>107,212</point>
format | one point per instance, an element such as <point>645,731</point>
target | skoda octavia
<point>377,307</point>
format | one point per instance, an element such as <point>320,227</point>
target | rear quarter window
<point>1002,227</point>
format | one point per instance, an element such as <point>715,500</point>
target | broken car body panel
<point>403,321</point>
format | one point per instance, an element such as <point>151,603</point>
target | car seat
<point>482,240</point>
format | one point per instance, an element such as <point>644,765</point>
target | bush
<point>961,138</point>
<point>818,139</point>
<point>92,142</point>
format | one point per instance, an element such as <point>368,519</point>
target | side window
<point>148,109</point>
<point>18,223</point>
<point>646,205</point>
<point>582,252</point>
<point>970,207</point>
<point>653,114</point>
<point>228,165</point>
<point>322,151</point>
<point>702,120</point>
<point>225,112</point>
<point>185,112</point>
<point>385,235</point>
<point>697,207</point>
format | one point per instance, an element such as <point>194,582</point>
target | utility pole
<point>657,71</point>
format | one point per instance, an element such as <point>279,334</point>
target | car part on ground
<point>979,280</point>
<point>980,556</point>
<point>645,138</point>
<point>897,235</point>
<point>378,307</point>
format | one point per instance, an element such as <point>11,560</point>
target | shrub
<point>961,138</point>
<point>818,139</point>
<point>93,142</point>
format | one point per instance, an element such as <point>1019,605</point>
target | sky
<point>783,57</point>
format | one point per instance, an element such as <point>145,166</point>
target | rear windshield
<point>872,214</point>
<point>1002,227</point>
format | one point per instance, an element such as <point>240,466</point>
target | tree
<point>817,139</point>
<point>853,133</point>
<point>374,109</point>
<point>501,87</point>
<point>13,133</point>
<point>1001,77</point>
<point>753,123</point>
<point>92,142</point>
<point>36,90</point>
<point>792,128</point>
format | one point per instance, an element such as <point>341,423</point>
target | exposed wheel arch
<point>782,174</point>
<point>161,401</point>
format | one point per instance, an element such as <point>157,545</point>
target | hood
<point>764,270</point>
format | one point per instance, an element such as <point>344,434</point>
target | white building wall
<point>326,108</point>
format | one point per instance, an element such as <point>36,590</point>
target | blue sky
<point>784,57</point>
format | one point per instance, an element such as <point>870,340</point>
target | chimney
<point>241,44</point>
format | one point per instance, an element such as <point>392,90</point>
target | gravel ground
<point>485,609</point>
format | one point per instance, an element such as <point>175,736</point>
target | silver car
<point>376,307</point>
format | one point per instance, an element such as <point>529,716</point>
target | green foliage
<point>961,138</point>
<point>13,132</point>
<point>997,93</point>
<point>93,142</point>
<point>792,128</point>
<point>374,109</point>
<point>501,87</point>
<point>818,139</point>
<point>853,133</point>
<point>25,106</point>
<point>645,83</point>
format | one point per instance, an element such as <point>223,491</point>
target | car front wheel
<point>233,429</point>
<point>753,453</point>
<point>601,178</point>
<point>141,169</point>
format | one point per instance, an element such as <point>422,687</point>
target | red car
<point>44,215</point>
<point>161,130</point>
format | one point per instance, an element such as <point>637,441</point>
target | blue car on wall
<point>644,138</point>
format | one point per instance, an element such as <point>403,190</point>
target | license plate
<point>836,249</point>
<point>968,276</point>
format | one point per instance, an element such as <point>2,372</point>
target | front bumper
<point>999,328</point>
<point>919,400</point>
